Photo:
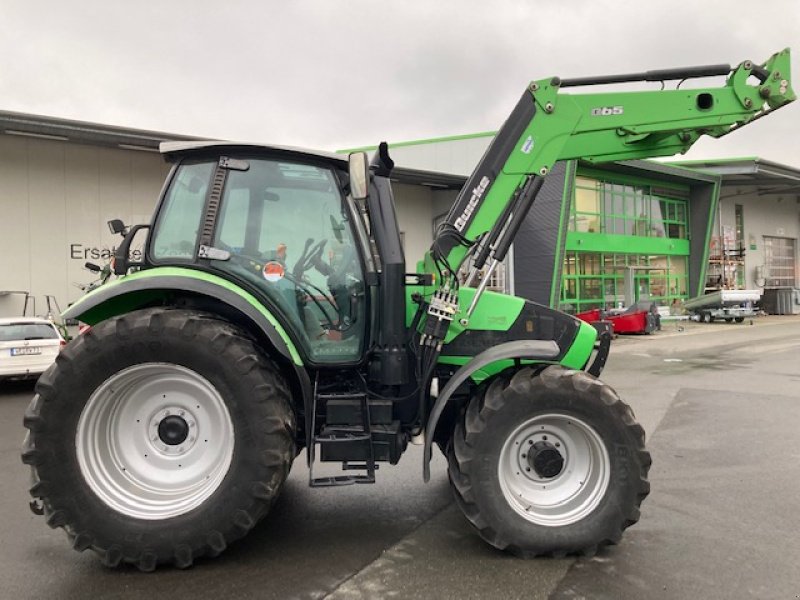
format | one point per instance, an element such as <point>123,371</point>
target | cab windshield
<point>289,234</point>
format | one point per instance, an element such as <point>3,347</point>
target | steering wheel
<point>310,257</point>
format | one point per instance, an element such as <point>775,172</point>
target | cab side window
<point>179,221</point>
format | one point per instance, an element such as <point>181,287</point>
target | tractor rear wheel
<point>549,463</point>
<point>159,437</point>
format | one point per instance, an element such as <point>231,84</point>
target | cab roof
<point>172,150</point>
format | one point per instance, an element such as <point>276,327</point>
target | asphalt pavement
<point>720,403</point>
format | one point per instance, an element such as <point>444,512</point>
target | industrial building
<point>596,235</point>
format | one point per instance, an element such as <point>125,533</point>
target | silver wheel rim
<point>123,456</point>
<point>575,491</point>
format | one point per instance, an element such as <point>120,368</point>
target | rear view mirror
<point>92,267</point>
<point>337,228</point>
<point>116,226</point>
<point>359,175</point>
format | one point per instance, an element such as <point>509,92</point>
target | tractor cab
<point>278,223</point>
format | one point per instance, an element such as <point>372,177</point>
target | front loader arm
<point>548,125</point>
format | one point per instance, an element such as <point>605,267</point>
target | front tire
<point>549,463</point>
<point>159,437</point>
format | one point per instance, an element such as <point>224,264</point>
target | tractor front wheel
<point>549,463</point>
<point>159,437</point>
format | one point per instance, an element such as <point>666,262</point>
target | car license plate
<point>25,351</point>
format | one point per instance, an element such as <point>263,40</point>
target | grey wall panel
<point>775,215</point>
<point>455,156</point>
<point>414,215</point>
<point>48,228</point>
<point>55,199</point>
<point>15,271</point>
<point>539,247</point>
<point>82,190</point>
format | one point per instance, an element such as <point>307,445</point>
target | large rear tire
<point>159,437</point>
<point>549,463</point>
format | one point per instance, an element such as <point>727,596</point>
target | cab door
<point>285,230</point>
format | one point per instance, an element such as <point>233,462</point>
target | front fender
<point>544,350</point>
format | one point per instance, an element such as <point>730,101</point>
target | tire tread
<point>276,419</point>
<point>462,454</point>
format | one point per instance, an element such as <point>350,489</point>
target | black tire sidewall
<point>210,348</point>
<point>607,520</point>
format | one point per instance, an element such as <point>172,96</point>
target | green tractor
<point>272,312</point>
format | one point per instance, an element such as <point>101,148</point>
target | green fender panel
<point>537,350</point>
<point>130,292</point>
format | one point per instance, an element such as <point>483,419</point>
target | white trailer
<point>726,305</point>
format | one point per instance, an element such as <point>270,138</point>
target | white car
<point>28,346</point>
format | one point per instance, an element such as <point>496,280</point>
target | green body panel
<point>498,312</point>
<point>581,349</point>
<point>127,301</point>
<point>494,312</point>
<point>577,356</point>
<point>610,243</point>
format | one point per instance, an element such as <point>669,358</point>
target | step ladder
<point>332,435</point>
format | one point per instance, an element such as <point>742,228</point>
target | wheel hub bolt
<point>545,460</point>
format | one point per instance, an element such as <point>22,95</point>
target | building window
<point>622,209</point>
<point>597,280</point>
<point>586,208</point>
<point>780,263</point>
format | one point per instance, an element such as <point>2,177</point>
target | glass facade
<point>620,209</point>
<point>597,280</point>
<point>618,230</point>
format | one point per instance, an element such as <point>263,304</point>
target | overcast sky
<point>333,74</point>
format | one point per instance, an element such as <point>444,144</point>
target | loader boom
<point>548,125</point>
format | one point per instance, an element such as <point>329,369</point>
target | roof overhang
<point>430,179</point>
<point>658,171</point>
<point>83,132</point>
<point>754,175</point>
